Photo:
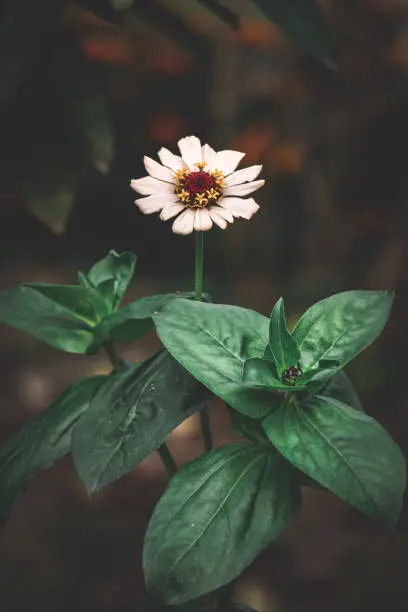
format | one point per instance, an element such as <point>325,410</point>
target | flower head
<point>199,188</point>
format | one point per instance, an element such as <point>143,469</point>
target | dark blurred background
<point>86,89</point>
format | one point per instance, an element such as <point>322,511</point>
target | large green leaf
<point>131,417</point>
<point>63,316</point>
<point>111,277</point>
<point>303,21</point>
<point>343,449</point>
<point>42,441</point>
<point>217,514</point>
<point>134,320</point>
<point>282,345</point>
<point>213,342</point>
<point>341,326</point>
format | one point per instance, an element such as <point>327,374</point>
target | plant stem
<point>167,459</point>
<point>117,363</point>
<point>199,262</point>
<point>206,429</point>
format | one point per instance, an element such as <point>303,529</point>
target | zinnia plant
<point>297,415</point>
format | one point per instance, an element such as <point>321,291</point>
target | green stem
<point>167,459</point>
<point>199,262</point>
<point>117,363</point>
<point>206,429</point>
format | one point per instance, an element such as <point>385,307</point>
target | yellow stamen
<point>212,194</point>
<point>201,200</point>
<point>182,195</point>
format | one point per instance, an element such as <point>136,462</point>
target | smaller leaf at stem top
<point>111,277</point>
<point>282,345</point>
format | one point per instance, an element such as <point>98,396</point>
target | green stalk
<point>199,262</point>
<point>117,363</point>
<point>167,459</point>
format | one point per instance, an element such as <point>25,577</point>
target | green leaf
<point>111,277</point>
<point>340,388</point>
<point>254,402</point>
<point>217,514</point>
<point>343,449</point>
<point>134,320</point>
<point>213,342</point>
<point>302,20</point>
<point>42,440</point>
<point>341,326</point>
<point>260,372</point>
<point>84,302</point>
<point>282,345</point>
<point>61,315</point>
<point>131,416</point>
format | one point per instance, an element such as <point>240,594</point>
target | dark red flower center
<point>199,182</point>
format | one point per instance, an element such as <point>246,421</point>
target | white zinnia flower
<point>202,185</point>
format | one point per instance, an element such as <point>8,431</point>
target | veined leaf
<point>111,277</point>
<point>62,316</point>
<point>131,416</point>
<point>344,450</point>
<point>341,326</point>
<point>42,440</point>
<point>282,345</point>
<point>240,496</point>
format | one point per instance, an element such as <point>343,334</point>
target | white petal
<point>184,223</point>
<point>241,176</point>
<point>243,189</point>
<point>222,212</point>
<point>148,185</point>
<point>227,161</point>
<point>171,210</point>
<point>202,220</point>
<point>218,219</point>
<point>239,207</point>
<point>209,156</point>
<point>167,158</point>
<point>190,149</point>
<point>153,203</point>
<point>157,170</point>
